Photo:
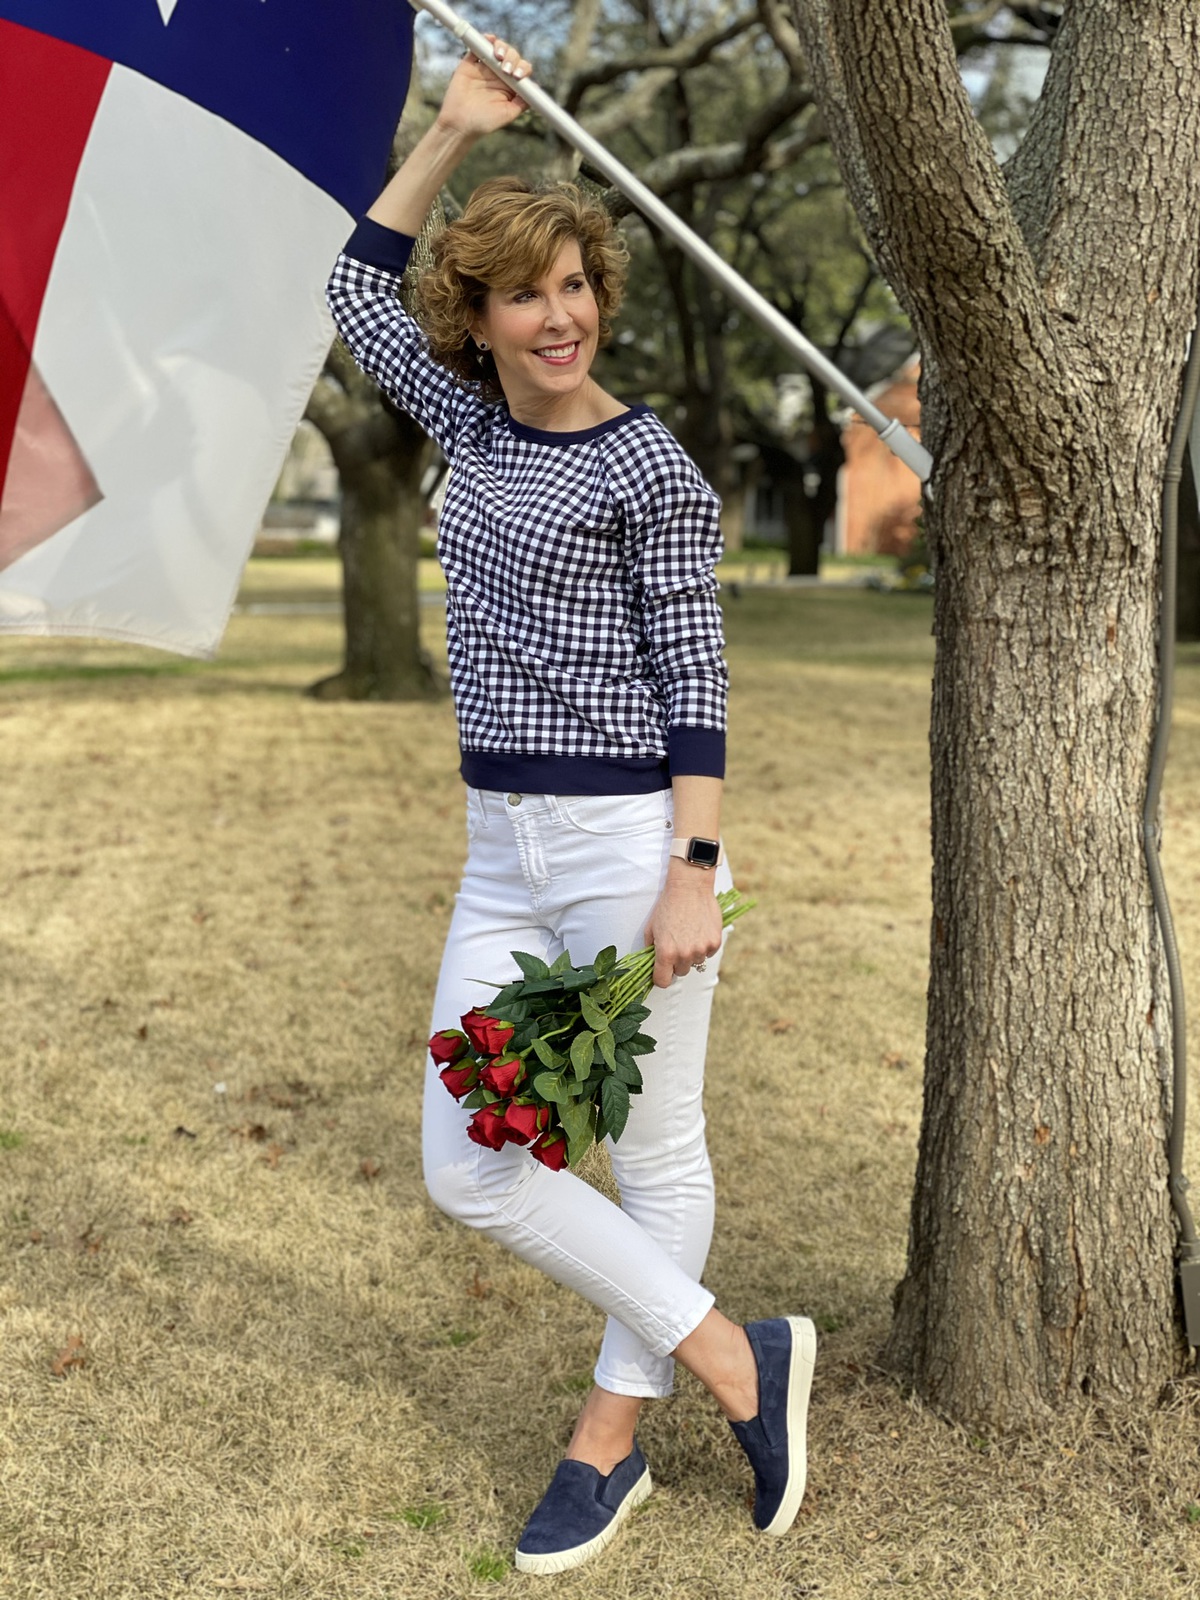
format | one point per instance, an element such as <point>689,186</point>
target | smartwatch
<point>705,853</point>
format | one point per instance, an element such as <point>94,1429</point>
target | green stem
<point>637,970</point>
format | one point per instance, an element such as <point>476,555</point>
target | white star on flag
<point>166,7</point>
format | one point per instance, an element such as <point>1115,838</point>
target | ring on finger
<point>699,966</point>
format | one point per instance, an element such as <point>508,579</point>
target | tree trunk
<point>381,456</point>
<point>1040,1265</point>
<point>803,531</point>
<point>1052,313</point>
<point>807,509</point>
<point>379,543</point>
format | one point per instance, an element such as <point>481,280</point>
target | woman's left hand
<point>685,925</point>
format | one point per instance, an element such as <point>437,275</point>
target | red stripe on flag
<point>49,92</point>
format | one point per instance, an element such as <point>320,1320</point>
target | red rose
<point>501,1075</point>
<point>525,1122</point>
<point>460,1080</point>
<point>487,1128</point>
<point>551,1150</point>
<point>447,1047</point>
<point>487,1035</point>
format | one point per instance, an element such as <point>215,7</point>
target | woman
<point>578,542</point>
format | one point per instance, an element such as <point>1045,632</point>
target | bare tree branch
<point>681,169</point>
<point>690,52</point>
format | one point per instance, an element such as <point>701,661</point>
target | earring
<point>484,345</point>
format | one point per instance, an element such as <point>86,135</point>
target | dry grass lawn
<point>240,1353</point>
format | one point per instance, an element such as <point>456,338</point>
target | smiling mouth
<point>558,355</point>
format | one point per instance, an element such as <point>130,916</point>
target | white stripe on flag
<point>182,330</point>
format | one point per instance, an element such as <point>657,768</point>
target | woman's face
<point>544,336</point>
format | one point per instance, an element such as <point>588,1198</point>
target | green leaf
<point>641,1044</point>
<point>545,1052</point>
<point>579,1122</point>
<point>581,978</point>
<point>561,964</point>
<point>534,988</point>
<point>624,1027</point>
<point>518,1011</point>
<point>506,996</point>
<point>614,1101</point>
<point>531,966</point>
<point>550,1086</point>
<point>474,1100</point>
<point>592,1014</point>
<point>607,1048</point>
<point>606,960</point>
<point>582,1050</point>
<point>628,1073</point>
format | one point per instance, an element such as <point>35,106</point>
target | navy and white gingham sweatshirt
<point>584,634</point>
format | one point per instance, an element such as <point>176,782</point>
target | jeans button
<point>514,799</point>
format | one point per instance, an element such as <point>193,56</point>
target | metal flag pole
<point>890,429</point>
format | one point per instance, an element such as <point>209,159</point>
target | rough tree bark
<point>1052,303</point>
<point>381,456</point>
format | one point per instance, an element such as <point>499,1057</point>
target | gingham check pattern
<point>581,599</point>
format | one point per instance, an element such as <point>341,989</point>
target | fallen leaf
<point>70,1358</point>
<point>179,1218</point>
<point>143,1032</point>
<point>369,1167</point>
<point>481,1289</point>
<point>272,1154</point>
<point>781,1025</point>
<point>895,1061</point>
<point>184,1133</point>
<point>255,1131</point>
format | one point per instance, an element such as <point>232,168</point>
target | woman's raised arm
<point>476,103</point>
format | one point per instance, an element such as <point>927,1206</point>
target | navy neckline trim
<point>521,430</point>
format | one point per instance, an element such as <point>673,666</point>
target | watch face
<point>703,852</point>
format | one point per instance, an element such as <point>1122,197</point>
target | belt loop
<point>553,808</point>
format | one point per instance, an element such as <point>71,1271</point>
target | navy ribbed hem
<point>696,752</point>
<point>485,769</point>
<point>378,246</point>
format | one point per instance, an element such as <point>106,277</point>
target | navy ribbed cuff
<point>696,752</point>
<point>378,246</point>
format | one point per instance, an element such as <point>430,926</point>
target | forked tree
<point>1053,301</point>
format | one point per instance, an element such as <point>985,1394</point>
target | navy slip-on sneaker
<point>580,1512</point>
<point>775,1441</point>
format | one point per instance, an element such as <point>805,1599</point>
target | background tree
<point>1052,302</point>
<point>382,457</point>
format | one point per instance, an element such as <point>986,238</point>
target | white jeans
<point>546,873</point>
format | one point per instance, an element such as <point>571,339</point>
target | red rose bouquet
<point>551,1062</point>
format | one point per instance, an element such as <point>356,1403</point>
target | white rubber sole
<point>564,1560</point>
<point>800,1376</point>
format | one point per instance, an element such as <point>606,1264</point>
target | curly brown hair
<point>508,237</point>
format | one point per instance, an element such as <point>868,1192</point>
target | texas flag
<point>176,178</point>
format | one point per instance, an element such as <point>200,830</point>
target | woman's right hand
<point>478,102</point>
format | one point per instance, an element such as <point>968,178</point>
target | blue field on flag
<point>318,83</point>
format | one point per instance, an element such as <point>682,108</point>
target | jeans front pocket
<point>618,816</point>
